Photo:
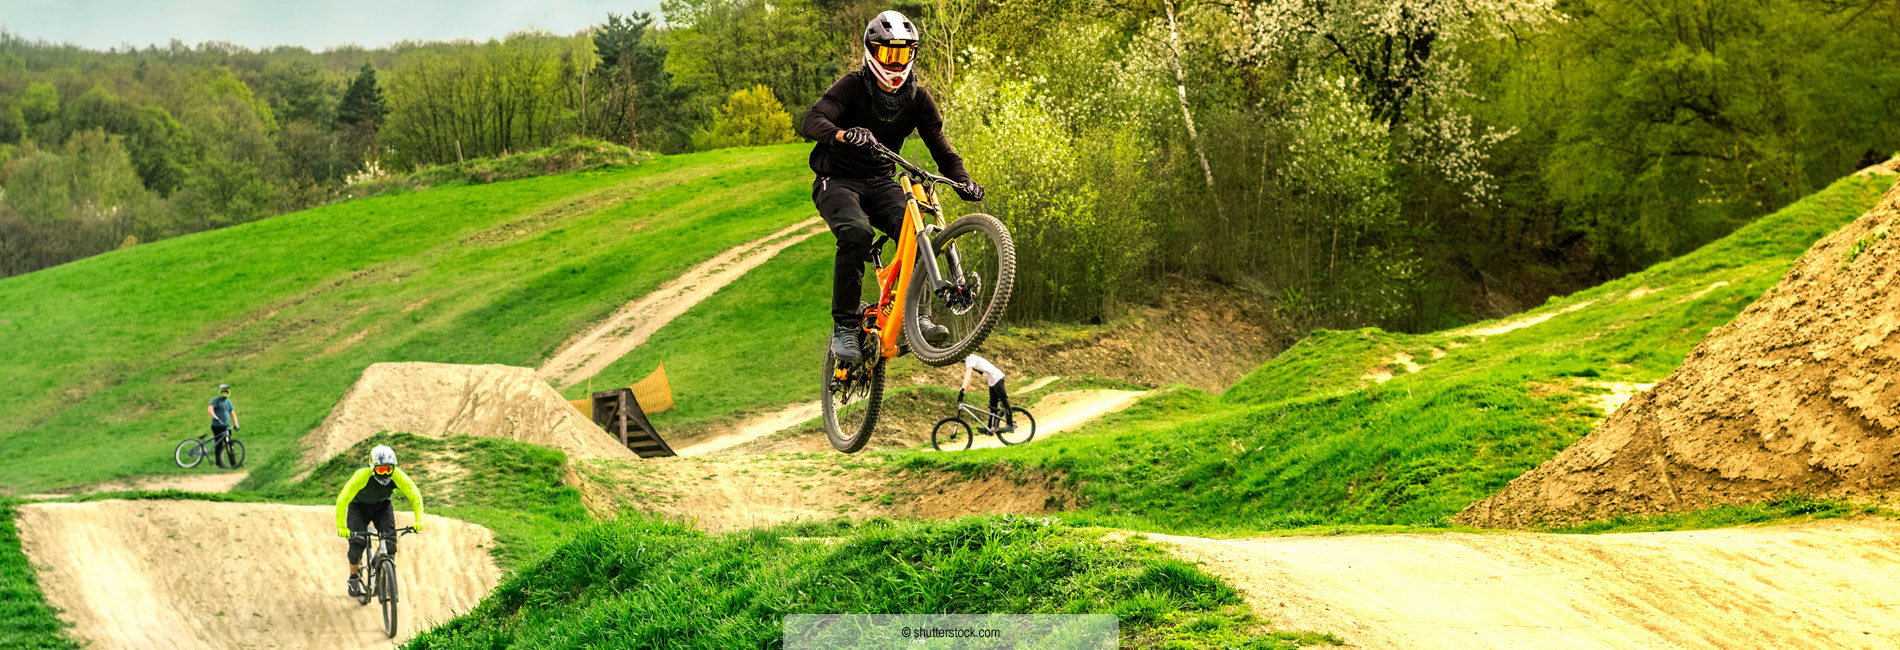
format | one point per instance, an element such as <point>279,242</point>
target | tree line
<point>1410,164</point>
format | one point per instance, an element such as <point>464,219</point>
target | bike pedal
<point>842,374</point>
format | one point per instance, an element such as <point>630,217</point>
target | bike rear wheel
<point>386,593</point>
<point>851,404</point>
<point>951,434</point>
<point>189,453</point>
<point>1025,428</point>
<point>976,256</point>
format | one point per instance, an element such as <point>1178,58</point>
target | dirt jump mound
<point>1797,395</point>
<point>195,574</point>
<point>438,399</point>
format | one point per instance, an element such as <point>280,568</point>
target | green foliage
<point>1861,245</point>
<point>750,118</point>
<point>12,124</point>
<point>640,103</point>
<point>40,103</point>
<point>1786,509</point>
<point>362,103</point>
<point>640,582</point>
<point>1308,439</point>
<point>26,621</point>
<point>797,47</point>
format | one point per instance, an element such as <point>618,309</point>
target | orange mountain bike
<point>958,276</point>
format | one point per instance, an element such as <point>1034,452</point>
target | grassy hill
<point>1310,439</point>
<point>110,361</point>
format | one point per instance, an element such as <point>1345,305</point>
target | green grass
<point>121,352</point>
<point>1305,441</point>
<point>1787,509</point>
<point>640,582</point>
<point>757,342</point>
<point>569,156</point>
<point>26,621</point>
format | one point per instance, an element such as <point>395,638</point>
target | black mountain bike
<point>194,450</point>
<point>954,433</point>
<point>958,275</point>
<point>379,575</point>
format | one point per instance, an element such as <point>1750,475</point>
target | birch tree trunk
<point>1187,114</point>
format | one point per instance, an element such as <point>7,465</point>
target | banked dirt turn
<point>1833,585</point>
<point>194,574</point>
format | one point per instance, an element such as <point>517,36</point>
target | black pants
<point>359,517</point>
<point>855,209</point>
<point>999,401</point>
<point>220,440</point>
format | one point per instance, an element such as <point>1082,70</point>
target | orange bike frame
<point>893,280</point>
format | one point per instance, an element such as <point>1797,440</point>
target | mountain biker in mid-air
<point>999,395</point>
<point>365,500</point>
<point>223,422</point>
<point>882,103</point>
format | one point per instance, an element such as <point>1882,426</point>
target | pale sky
<point>315,24</point>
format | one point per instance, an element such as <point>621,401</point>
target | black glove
<point>970,191</point>
<point>858,136</point>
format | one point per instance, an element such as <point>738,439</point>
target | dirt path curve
<point>194,574</point>
<point>754,428</point>
<point>592,351</point>
<point>1068,410</point>
<point>1819,585</point>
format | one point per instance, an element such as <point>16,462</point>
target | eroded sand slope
<point>192,574</point>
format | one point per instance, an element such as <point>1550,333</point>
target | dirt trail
<point>1527,321</point>
<point>592,351</point>
<point>1069,410</point>
<point>192,574</point>
<point>738,491</point>
<point>754,428</point>
<point>218,481</point>
<point>1822,585</point>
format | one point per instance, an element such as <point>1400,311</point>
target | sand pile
<point>438,399</point>
<point>1796,395</point>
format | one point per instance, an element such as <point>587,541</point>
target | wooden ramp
<point>619,413</point>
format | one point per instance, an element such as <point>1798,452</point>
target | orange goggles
<point>383,470</point>
<point>894,54</point>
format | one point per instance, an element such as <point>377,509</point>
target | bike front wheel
<point>976,258</point>
<point>234,454</point>
<point>851,402</point>
<point>386,593</point>
<point>1025,428</point>
<point>189,453</point>
<point>951,434</point>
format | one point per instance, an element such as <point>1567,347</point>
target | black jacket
<point>848,104</point>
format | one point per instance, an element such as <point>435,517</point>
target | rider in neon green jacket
<point>365,500</point>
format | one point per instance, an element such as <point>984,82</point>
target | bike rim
<point>1025,428</point>
<point>971,262</point>
<point>847,402</point>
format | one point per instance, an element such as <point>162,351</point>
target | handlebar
<point>405,530</point>
<point>919,173</point>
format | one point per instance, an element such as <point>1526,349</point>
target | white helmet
<point>379,457</point>
<point>890,48</point>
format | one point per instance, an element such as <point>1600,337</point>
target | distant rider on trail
<point>223,422</point>
<point>999,394</point>
<point>365,500</point>
<point>883,103</point>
